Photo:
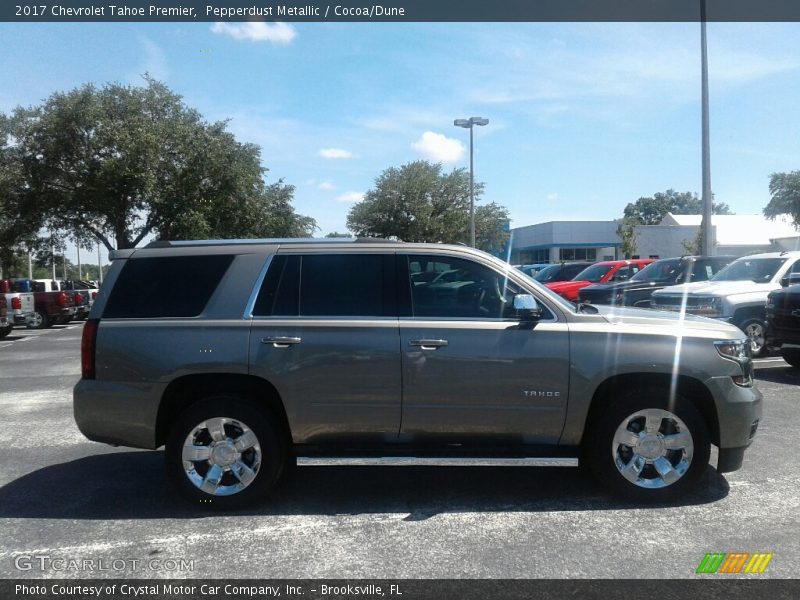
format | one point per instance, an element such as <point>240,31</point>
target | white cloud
<point>326,186</point>
<point>155,61</point>
<point>439,147</point>
<point>280,34</point>
<point>350,197</point>
<point>552,197</point>
<point>333,153</point>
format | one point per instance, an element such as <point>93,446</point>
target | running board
<point>410,461</point>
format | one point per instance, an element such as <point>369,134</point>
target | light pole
<point>705,226</point>
<point>469,124</point>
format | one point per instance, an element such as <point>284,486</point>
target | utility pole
<point>80,271</point>
<point>30,264</point>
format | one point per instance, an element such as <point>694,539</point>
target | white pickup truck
<point>737,294</point>
<point>20,306</point>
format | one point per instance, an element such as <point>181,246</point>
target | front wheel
<point>646,448</point>
<point>755,330</point>
<point>5,331</point>
<point>224,452</point>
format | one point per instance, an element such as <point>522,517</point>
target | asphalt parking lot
<point>63,497</point>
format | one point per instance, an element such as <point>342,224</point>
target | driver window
<point>444,287</point>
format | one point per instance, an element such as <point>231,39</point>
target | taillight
<point>94,295</point>
<point>62,299</point>
<point>16,303</point>
<point>5,286</point>
<point>88,347</point>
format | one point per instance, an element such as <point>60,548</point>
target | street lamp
<point>468,124</point>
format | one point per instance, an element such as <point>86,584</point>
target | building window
<point>567,254</point>
<point>528,257</point>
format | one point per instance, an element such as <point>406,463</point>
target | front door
<point>472,372</point>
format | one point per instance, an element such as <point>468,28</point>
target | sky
<point>583,117</point>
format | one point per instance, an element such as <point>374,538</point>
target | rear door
<point>325,333</point>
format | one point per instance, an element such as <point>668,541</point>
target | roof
<point>740,230</point>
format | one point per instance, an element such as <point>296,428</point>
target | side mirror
<point>790,279</point>
<point>527,308</point>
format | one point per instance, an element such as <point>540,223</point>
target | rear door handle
<point>428,344</point>
<point>281,341</point>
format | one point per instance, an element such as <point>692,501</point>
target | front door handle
<point>428,344</point>
<point>281,341</point>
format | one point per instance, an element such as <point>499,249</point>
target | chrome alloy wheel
<point>756,335</point>
<point>35,321</point>
<point>221,456</point>
<point>652,448</point>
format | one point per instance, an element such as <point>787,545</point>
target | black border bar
<point>723,587</point>
<point>397,10</point>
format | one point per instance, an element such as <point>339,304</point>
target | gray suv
<point>240,356</point>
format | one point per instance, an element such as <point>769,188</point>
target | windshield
<point>548,273</point>
<point>759,270</point>
<point>593,274</point>
<point>664,271</point>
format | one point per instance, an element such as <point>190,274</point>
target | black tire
<point>5,331</point>
<point>241,415</point>
<point>41,320</point>
<point>755,329</point>
<point>602,454</point>
<point>791,356</point>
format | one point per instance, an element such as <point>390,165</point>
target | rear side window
<point>337,285</point>
<point>170,286</point>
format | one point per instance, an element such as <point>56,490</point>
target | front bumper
<point>738,416</point>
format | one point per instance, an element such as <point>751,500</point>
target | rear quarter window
<point>170,286</point>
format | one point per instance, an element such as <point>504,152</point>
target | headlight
<point>710,306</point>
<point>738,351</point>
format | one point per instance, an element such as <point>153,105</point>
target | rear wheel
<point>39,320</point>
<point>647,449</point>
<point>224,452</point>
<point>791,356</point>
<point>5,331</point>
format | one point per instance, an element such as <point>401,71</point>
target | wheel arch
<point>745,313</point>
<point>184,391</point>
<point>688,387</point>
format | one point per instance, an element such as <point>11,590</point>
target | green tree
<point>626,230</point>
<point>491,228</point>
<point>418,202</point>
<point>785,191</point>
<point>120,163</point>
<point>336,234</point>
<point>650,210</point>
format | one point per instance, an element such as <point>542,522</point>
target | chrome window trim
<point>251,302</point>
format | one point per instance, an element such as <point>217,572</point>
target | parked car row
<point>42,303</point>
<point>746,292</point>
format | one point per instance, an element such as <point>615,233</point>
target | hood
<point>645,317</point>
<point>559,286</point>
<point>624,286</point>
<point>716,288</point>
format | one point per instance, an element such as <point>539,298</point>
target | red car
<point>599,272</point>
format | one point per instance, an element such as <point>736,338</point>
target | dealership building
<point>564,241</point>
